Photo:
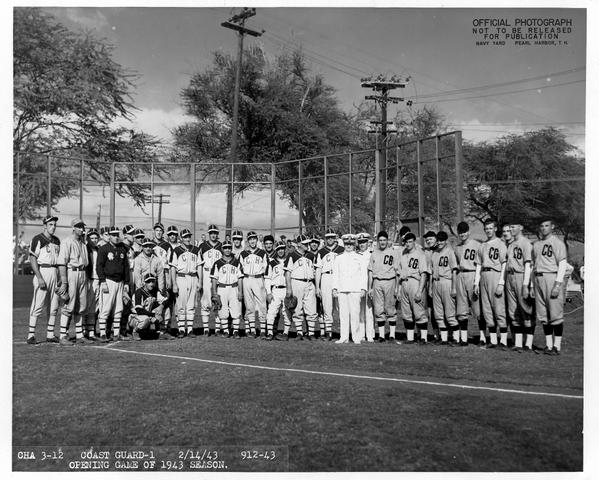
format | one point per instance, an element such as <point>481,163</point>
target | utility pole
<point>98,217</point>
<point>159,198</point>
<point>382,86</point>
<point>237,23</point>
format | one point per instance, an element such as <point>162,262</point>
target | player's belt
<point>326,273</point>
<point>466,270</point>
<point>223,285</point>
<point>255,276</point>
<point>513,272</point>
<point>194,274</point>
<point>488,269</point>
<point>77,269</point>
<point>540,274</point>
<point>302,279</point>
<point>383,279</point>
<point>46,265</point>
<point>279,286</point>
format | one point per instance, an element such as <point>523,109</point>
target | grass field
<point>396,409</point>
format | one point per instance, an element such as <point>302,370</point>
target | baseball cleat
<point>164,336</point>
<point>282,338</point>
<point>64,341</point>
<point>269,338</point>
<point>491,345</point>
<point>180,334</point>
<point>463,344</point>
<point>309,337</point>
<point>103,339</point>
<point>342,341</point>
<point>548,351</point>
<point>207,332</point>
<point>236,335</point>
<point>445,344</point>
<point>93,338</point>
<point>31,341</point>
<point>190,334</point>
<point>556,351</point>
<point>122,338</point>
<point>517,349</point>
<point>83,341</point>
<point>300,337</point>
<point>381,340</point>
<point>136,336</point>
<point>503,347</point>
<point>482,344</point>
<point>52,339</point>
<point>527,349</point>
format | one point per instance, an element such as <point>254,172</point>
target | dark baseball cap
<point>49,218</point>
<point>382,234</point>
<point>430,234</point>
<point>269,238</point>
<point>158,225</point>
<point>442,236</point>
<point>463,227</point>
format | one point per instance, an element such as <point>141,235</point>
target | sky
<point>435,47</point>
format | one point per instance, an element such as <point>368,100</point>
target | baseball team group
<point>120,285</point>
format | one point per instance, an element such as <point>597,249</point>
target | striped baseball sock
<point>50,329</point>
<point>548,330</point>
<point>180,323</point>
<point>558,331</point>
<point>263,326</point>
<point>443,331</point>
<point>78,326</point>
<point>64,325</point>
<point>189,325</point>
<point>299,327</point>
<point>311,327</point>
<point>205,321</point>
<point>32,324</point>
<point>116,327</point>
<point>102,322</point>
<point>503,335</point>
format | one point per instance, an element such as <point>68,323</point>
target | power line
<point>506,93</point>
<point>520,124</point>
<point>503,84</point>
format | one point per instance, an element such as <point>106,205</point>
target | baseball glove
<point>216,303</point>
<point>126,299</point>
<point>64,297</point>
<point>290,302</point>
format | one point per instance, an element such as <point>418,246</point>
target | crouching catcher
<point>147,318</point>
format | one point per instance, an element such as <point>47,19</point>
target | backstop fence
<point>416,183</point>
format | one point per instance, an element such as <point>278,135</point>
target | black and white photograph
<point>306,237</point>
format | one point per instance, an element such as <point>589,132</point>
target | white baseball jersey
<point>45,249</point>
<point>300,266</point>
<point>325,257</point>
<point>254,262</point>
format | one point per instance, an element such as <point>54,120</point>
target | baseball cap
<point>300,239</point>
<point>409,236</point>
<point>91,232</point>
<point>138,233</point>
<point>252,234</point>
<point>403,230</point>
<point>237,234</point>
<point>314,239</point>
<point>430,234</point>
<point>330,233</point>
<point>77,223</point>
<point>128,229</point>
<point>442,236</point>
<point>148,277</point>
<point>382,234</point>
<point>172,230</point>
<point>49,218</point>
<point>158,225</point>
<point>212,228</point>
<point>113,230</point>
<point>147,242</point>
<point>185,233</point>
<point>226,244</point>
<point>463,227</point>
<point>269,238</point>
<point>280,245</point>
<point>305,239</point>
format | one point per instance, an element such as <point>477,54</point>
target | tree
<point>285,113</point>
<point>527,176</point>
<point>68,91</point>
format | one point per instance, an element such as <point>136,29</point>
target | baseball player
<point>93,285</point>
<point>276,289</point>
<point>43,254</point>
<point>430,245</point>
<point>549,263</point>
<point>138,238</point>
<point>269,246</point>
<point>226,276</point>
<point>148,262</point>
<point>237,239</point>
<point>383,270</point>
<point>466,251</point>
<point>366,313</point>
<point>186,277</point>
<point>129,232</point>
<point>112,266</point>
<point>489,283</point>
<point>210,251</point>
<point>414,270</point>
<point>163,250</point>
<point>146,315</point>
<point>299,275</point>
<point>72,262</point>
<point>349,282</point>
<point>518,268</point>
<point>444,269</point>
<point>104,236</point>
<point>253,263</point>
<point>324,281</point>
